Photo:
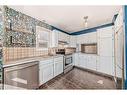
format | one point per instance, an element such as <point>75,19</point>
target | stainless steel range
<point>68,58</point>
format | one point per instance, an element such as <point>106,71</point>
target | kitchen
<point>40,53</point>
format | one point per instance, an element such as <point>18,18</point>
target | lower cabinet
<point>91,62</point>
<point>50,68</point>
<point>45,71</point>
<point>105,65</point>
<point>76,59</point>
<point>97,63</point>
<point>58,66</point>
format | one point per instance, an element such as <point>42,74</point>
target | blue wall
<point>125,20</point>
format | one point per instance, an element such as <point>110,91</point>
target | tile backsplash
<point>20,35</point>
<point>14,53</point>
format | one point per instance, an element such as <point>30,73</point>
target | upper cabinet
<point>42,38</point>
<point>87,38</point>
<point>54,38</point>
<point>63,37</point>
<point>73,41</point>
<point>105,32</point>
<point>119,20</point>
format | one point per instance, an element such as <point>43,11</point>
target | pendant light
<point>86,21</point>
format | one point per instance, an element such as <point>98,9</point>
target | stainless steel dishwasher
<point>24,75</point>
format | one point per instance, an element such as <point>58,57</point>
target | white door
<point>58,66</point>
<point>82,61</point>
<point>91,63</point>
<point>76,59</point>
<point>105,65</point>
<point>106,47</point>
<point>46,73</point>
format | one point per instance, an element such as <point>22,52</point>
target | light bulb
<point>86,24</point>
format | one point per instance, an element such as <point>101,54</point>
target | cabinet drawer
<point>58,59</point>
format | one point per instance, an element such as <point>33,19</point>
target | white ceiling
<point>70,18</point>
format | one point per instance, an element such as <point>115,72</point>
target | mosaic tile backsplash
<point>20,29</point>
<point>20,35</point>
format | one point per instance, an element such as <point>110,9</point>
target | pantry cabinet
<point>105,59</point>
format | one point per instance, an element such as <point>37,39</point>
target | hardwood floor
<point>79,79</point>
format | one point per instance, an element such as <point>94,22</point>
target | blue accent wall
<point>125,20</point>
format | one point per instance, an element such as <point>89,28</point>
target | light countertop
<point>28,60</point>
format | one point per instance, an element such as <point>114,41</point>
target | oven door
<point>68,61</point>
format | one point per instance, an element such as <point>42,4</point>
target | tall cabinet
<point>105,61</point>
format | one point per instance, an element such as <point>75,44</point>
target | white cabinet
<point>86,61</point>
<point>45,70</point>
<point>73,41</point>
<point>82,60</point>
<point>50,68</point>
<point>105,65</point>
<point>63,37</point>
<point>105,32</point>
<point>58,66</point>
<point>106,47</point>
<point>76,59</point>
<point>54,38</point>
<point>87,38</point>
<point>105,59</point>
<point>91,62</point>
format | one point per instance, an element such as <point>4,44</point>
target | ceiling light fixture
<point>86,20</point>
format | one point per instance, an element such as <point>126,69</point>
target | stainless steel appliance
<point>68,62</point>
<point>68,58</point>
<point>24,75</point>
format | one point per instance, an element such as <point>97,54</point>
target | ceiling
<point>70,18</point>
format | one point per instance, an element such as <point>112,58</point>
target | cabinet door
<point>105,65</point>
<point>60,36</point>
<point>76,59</point>
<point>82,61</point>
<point>91,63</point>
<point>46,73</point>
<point>105,32</point>
<point>54,38</point>
<point>106,47</point>
<point>73,41</point>
<point>58,68</point>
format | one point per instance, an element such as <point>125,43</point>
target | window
<point>42,38</point>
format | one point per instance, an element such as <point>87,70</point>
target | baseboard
<point>96,72</point>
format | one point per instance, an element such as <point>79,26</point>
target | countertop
<point>28,60</point>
